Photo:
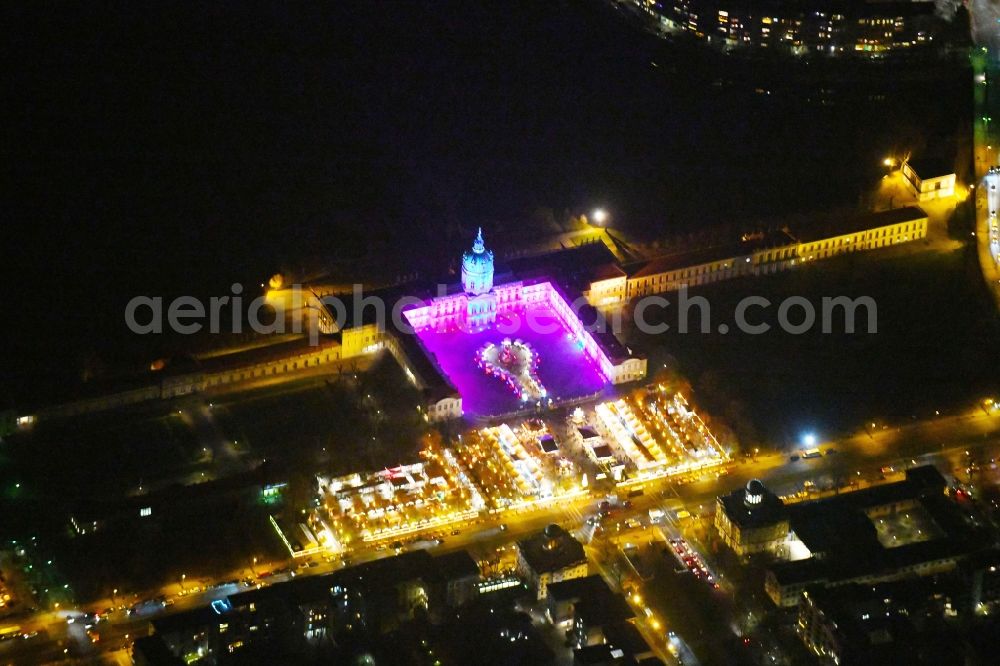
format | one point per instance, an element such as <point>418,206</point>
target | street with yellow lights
<point>498,484</point>
<point>505,470</point>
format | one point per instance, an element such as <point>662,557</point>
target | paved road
<point>927,441</point>
<point>942,441</point>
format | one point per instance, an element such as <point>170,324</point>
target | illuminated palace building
<point>830,27</point>
<point>514,344</point>
<point>759,253</point>
<point>503,343</point>
<point>492,346</point>
<point>507,341</point>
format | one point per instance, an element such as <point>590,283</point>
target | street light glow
<point>599,215</point>
<point>809,439</point>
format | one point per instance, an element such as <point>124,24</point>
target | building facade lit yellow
<point>929,179</point>
<point>759,254</point>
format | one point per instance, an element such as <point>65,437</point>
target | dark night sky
<point>169,148</point>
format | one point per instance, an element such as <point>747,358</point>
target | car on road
<point>692,561</point>
<point>10,632</point>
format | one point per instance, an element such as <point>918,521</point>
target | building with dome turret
<point>534,304</point>
<point>477,282</point>
<point>752,519</point>
<point>550,556</point>
<point>477,268</point>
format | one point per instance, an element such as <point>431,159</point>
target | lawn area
<point>336,425</point>
<point>101,455</point>
<point>217,536</point>
<point>936,348</point>
<point>89,465</point>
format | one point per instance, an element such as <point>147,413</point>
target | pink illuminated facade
<point>515,299</point>
<point>453,337</point>
<point>571,362</point>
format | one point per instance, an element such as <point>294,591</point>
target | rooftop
<point>931,167</point>
<point>626,636</point>
<point>751,243</point>
<point>809,570</point>
<point>603,451</point>
<point>873,623</point>
<point>548,443</point>
<point>153,651</point>
<point>607,272</point>
<point>605,609</point>
<point>768,509</point>
<point>844,541</point>
<point>577,267</point>
<point>263,354</point>
<point>454,566</point>
<point>827,526</point>
<point>574,589</point>
<point>425,366</point>
<point>602,654</point>
<point>552,549</point>
<point>861,223</point>
<point>190,620</point>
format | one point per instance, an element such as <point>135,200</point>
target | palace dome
<point>477,268</point>
<point>755,491</point>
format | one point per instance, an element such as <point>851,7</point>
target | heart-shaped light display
<point>515,364</point>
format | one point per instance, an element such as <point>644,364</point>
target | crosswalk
<point>573,513</point>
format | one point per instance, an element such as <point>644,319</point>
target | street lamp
<point>600,216</point>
